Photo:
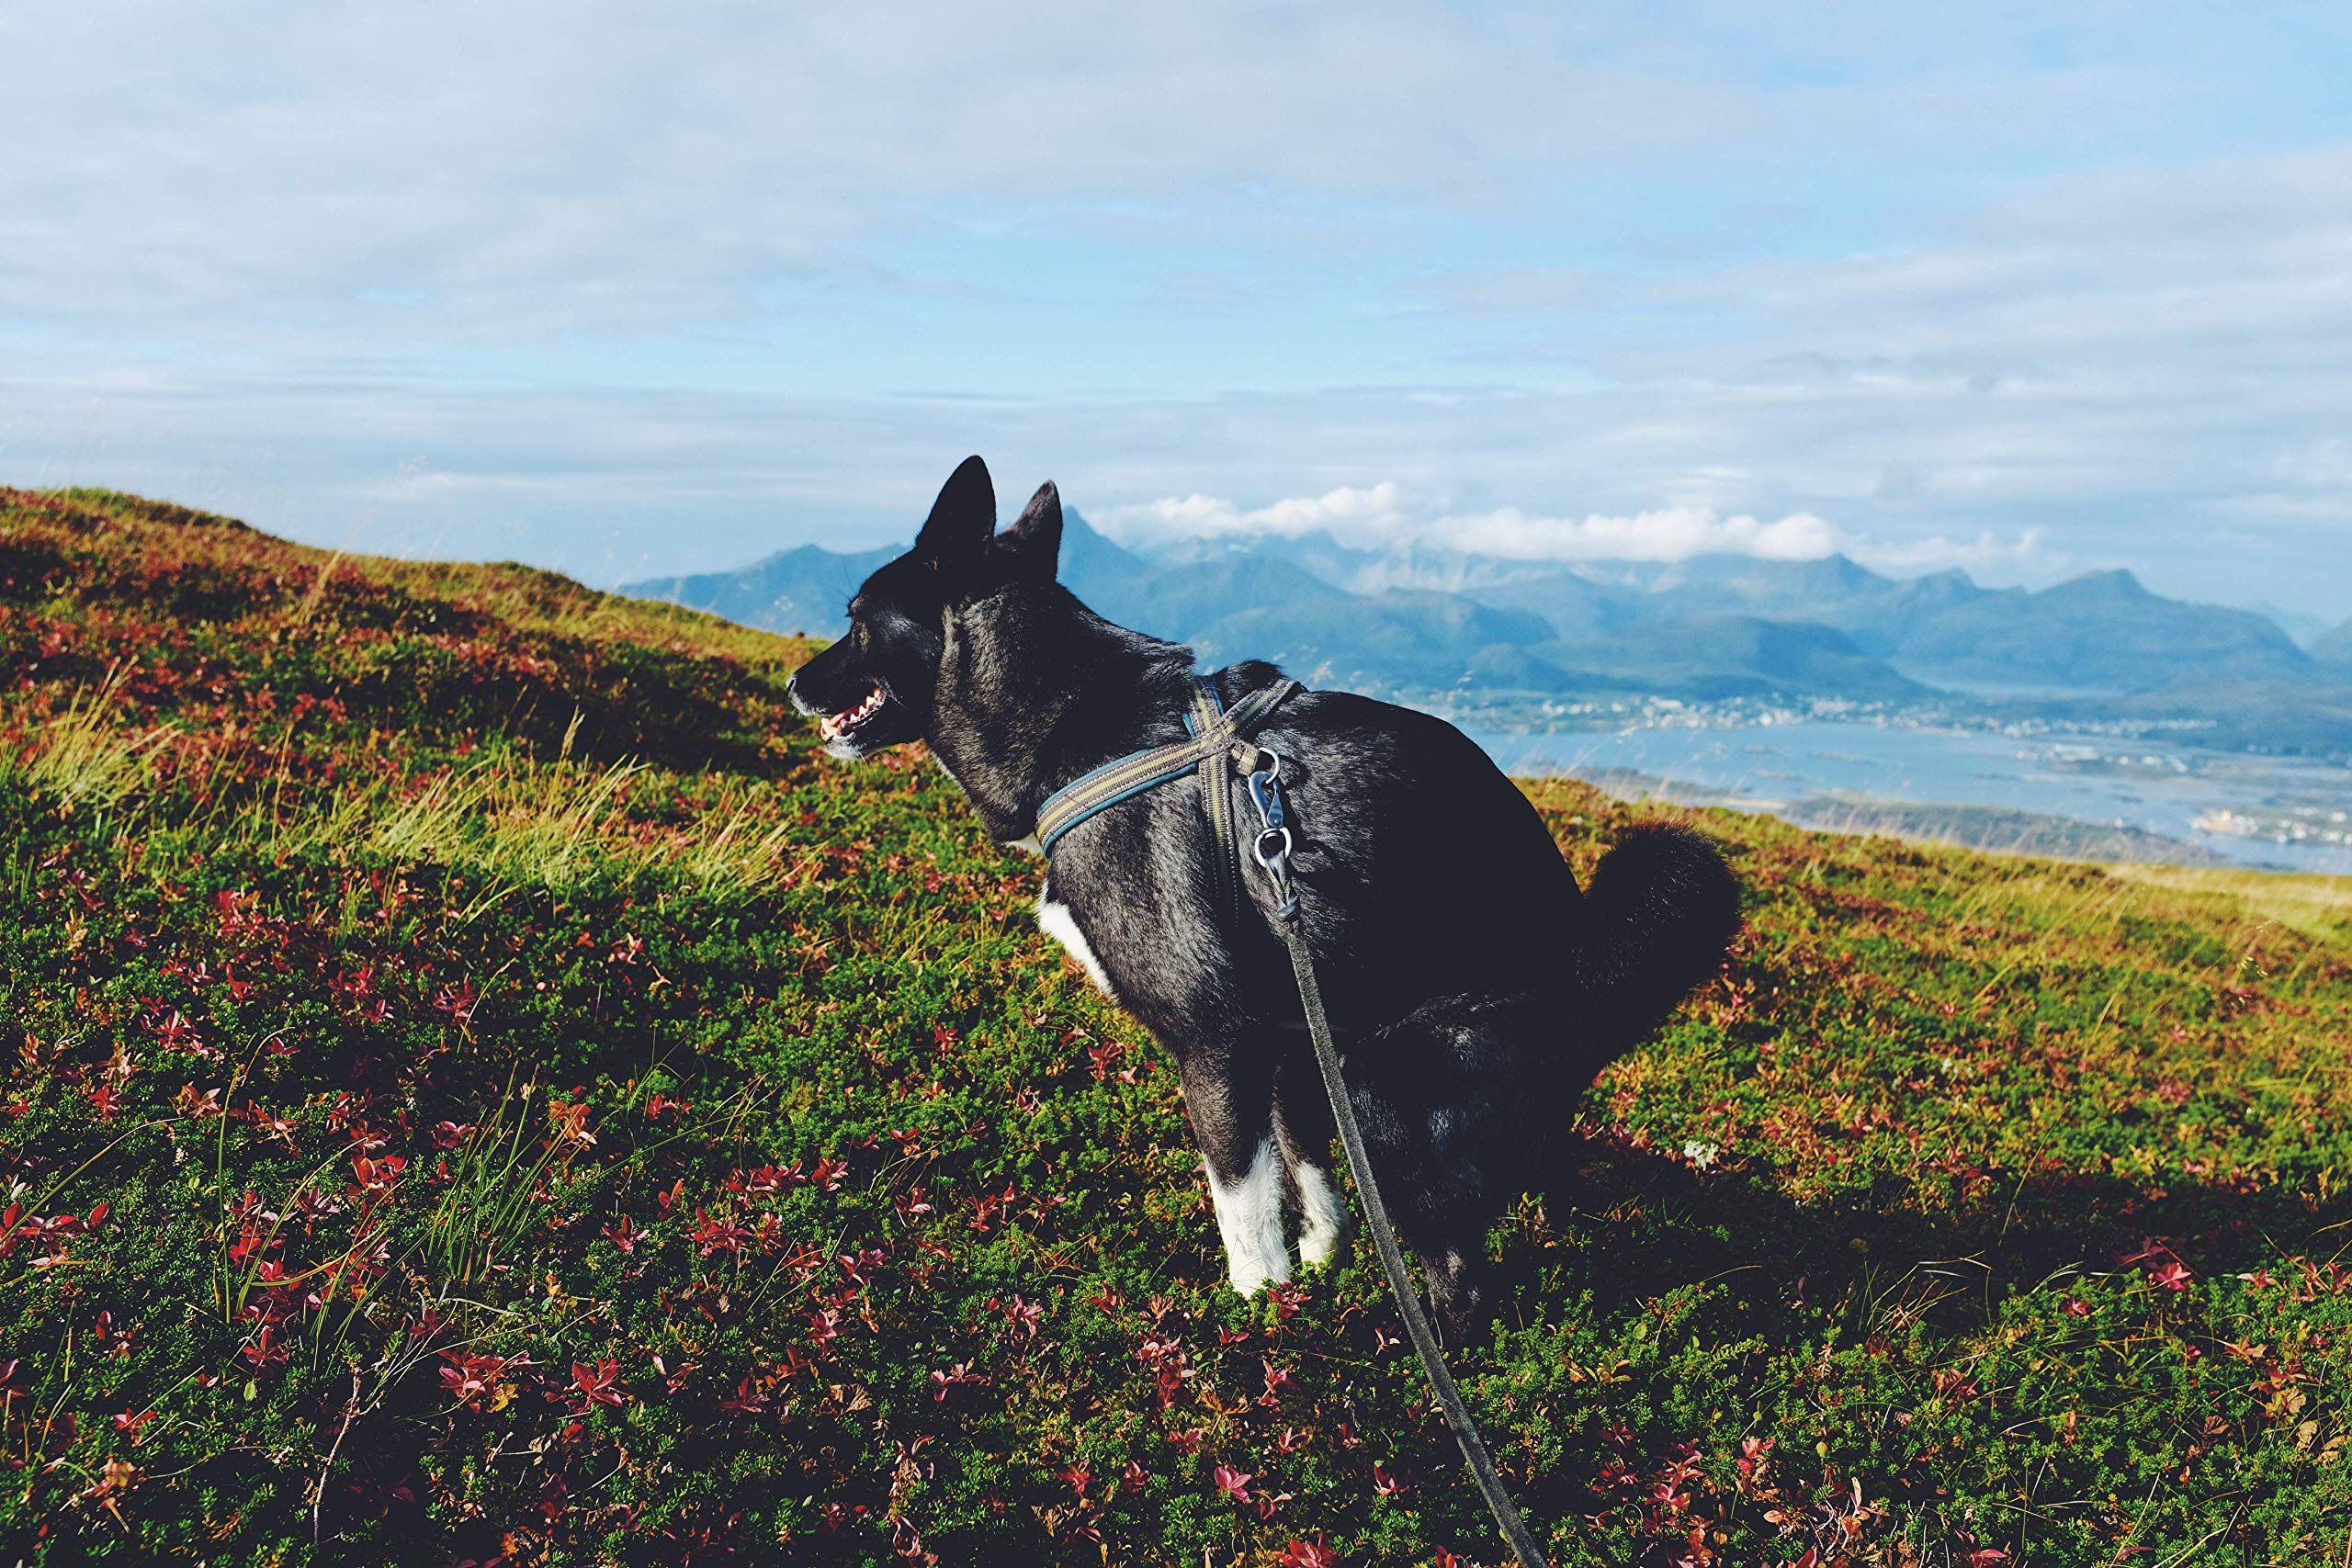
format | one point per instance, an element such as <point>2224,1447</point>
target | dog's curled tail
<point>1659,916</point>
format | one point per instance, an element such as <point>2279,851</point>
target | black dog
<point>1475,992</point>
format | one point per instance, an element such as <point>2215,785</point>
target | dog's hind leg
<point>1302,1125</point>
<point>1231,1109</point>
<point>1448,1113</point>
<point>1457,1290</point>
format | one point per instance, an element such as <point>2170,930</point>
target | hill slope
<point>2335,647</point>
<point>486,1087</point>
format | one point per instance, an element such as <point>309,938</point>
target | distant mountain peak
<point>2116,583</point>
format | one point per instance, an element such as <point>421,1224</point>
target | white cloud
<point>1381,516</point>
<point>1988,556</point>
<point>1377,516</point>
<point>1348,512</point>
<point>532,167</point>
<point>1673,533</point>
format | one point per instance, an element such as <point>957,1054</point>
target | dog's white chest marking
<point>1250,1218</point>
<point>1055,920</point>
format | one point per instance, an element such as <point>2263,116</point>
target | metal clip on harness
<point>1272,845</point>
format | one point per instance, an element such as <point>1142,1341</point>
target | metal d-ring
<point>1276,860</point>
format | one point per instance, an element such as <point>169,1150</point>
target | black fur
<point>1475,992</point>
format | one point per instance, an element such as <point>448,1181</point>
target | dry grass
<point>522,821</point>
<point>2316,906</point>
<point>82,756</point>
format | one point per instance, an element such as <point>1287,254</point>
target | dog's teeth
<point>847,719</point>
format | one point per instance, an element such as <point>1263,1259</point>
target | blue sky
<point>632,290</point>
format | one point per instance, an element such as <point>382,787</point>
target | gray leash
<point>1272,849</point>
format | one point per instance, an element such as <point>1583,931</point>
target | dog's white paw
<point>1248,1283</point>
<point>1323,1216</point>
<point>1318,1244</point>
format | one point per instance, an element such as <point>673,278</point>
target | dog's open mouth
<point>838,725</point>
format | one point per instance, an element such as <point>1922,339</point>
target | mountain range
<point>1522,640</point>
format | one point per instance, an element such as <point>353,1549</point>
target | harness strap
<point>1225,860</point>
<point>1215,731</point>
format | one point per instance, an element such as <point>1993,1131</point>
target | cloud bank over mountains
<point>1383,516</point>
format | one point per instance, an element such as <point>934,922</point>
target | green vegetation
<point>483,1087</point>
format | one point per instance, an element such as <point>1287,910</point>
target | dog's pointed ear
<point>1034,543</point>
<point>963,518</point>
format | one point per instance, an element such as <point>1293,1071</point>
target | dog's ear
<point>1034,541</point>
<point>956,534</point>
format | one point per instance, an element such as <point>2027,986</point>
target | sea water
<point>2283,812</point>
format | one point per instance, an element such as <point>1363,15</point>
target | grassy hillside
<point>483,1088</point>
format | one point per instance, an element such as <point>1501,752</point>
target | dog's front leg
<point>1233,1122</point>
<point>1250,1216</point>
